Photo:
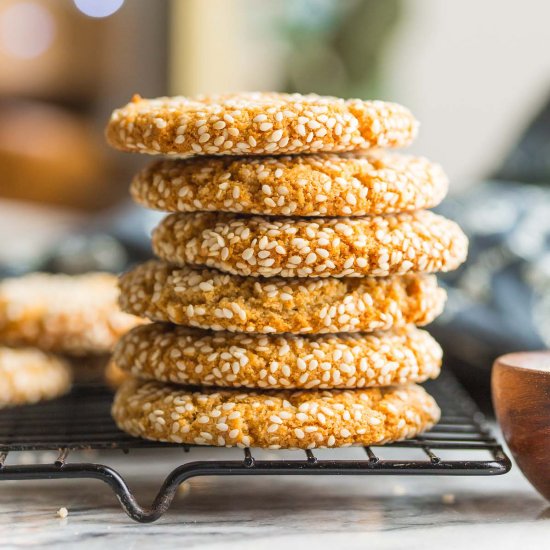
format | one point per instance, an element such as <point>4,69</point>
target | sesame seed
<point>206,286</point>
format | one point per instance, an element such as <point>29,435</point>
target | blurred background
<point>476,74</point>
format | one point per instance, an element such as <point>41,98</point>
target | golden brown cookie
<point>275,419</point>
<point>29,375</point>
<point>62,313</point>
<point>303,185</point>
<point>304,247</point>
<point>209,299</point>
<point>169,353</point>
<point>258,124</point>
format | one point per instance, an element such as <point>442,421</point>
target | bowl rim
<point>532,361</point>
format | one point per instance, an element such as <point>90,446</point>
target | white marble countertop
<point>265,512</point>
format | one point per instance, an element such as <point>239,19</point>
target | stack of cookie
<point>291,273</point>
<point>53,326</point>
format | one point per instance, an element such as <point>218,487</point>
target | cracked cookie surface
<point>276,419</point>
<point>312,247</point>
<point>327,184</point>
<point>169,353</point>
<point>209,299</point>
<point>258,123</point>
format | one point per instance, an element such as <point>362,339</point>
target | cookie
<point>29,375</point>
<point>258,124</point>
<point>62,313</point>
<point>303,185</point>
<point>169,353</point>
<point>275,419</point>
<point>209,299</point>
<point>303,247</point>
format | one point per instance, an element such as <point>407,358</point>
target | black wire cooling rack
<point>81,420</point>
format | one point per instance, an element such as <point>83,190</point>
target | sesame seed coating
<point>169,353</point>
<point>29,375</point>
<point>273,419</point>
<point>258,123</point>
<point>63,313</point>
<point>312,247</point>
<point>209,299</point>
<point>303,185</point>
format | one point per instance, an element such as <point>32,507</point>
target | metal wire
<point>81,420</point>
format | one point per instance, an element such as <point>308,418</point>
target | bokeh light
<point>98,8</point>
<point>27,30</point>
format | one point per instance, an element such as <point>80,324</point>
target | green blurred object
<point>337,47</point>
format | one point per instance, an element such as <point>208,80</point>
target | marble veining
<point>261,512</point>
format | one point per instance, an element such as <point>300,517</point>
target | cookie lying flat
<point>303,247</point>
<point>302,185</point>
<point>29,375</point>
<point>62,313</point>
<point>258,124</point>
<point>207,298</point>
<point>273,419</point>
<point>181,355</point>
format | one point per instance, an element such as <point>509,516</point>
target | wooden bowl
<point>521,397</point>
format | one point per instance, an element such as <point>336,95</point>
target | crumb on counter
<point>62,513</point>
